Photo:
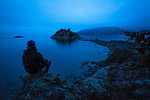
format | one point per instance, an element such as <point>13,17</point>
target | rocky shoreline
<point>125,70</point>
<point>124,75</point>
<point>112,45</point>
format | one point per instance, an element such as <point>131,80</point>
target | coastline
<point>112,45</point>
<point>94,66</point>
<point>122,76</point>
<point>125,72</point>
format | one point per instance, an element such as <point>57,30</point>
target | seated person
<point>33,61</point>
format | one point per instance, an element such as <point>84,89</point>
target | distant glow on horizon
<point>45,15</point>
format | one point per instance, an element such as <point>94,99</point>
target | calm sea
<point>66,58</point>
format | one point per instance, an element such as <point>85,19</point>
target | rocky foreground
<point>44,86</point>
<point>124,75</point>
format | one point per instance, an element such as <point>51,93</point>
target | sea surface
<point>66,58</point>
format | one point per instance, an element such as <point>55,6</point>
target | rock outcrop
<point>44,86</point>
<point>18,37</point>
<point>65,34</point>
<point>127,75</point>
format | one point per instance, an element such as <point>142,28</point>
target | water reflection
<point>65,42</point>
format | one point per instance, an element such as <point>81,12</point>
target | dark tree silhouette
<point>142,38</point>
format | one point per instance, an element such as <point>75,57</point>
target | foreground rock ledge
<point>44,86</point>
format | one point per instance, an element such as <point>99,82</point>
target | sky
<point>51,15</point>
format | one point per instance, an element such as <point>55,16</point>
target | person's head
<point>31,45</point>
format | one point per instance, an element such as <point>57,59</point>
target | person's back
<point>33,61</point>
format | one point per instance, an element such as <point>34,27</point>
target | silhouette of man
<point>33,61</point>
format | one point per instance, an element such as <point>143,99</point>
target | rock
<point>119,56</point>
<point>44,86</point>
<point>142,93</point>
<point>65,34</point>
<point>18,37</point>
<point>85,63</point>
<point>123,78</point>
<point>100,74</point>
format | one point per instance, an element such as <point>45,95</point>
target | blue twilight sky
<point>51,15</point>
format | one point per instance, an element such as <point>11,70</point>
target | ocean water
<point>66,58</point>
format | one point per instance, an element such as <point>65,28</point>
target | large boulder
<point>65,34</point>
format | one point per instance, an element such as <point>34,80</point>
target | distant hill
<point>102,31</point>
